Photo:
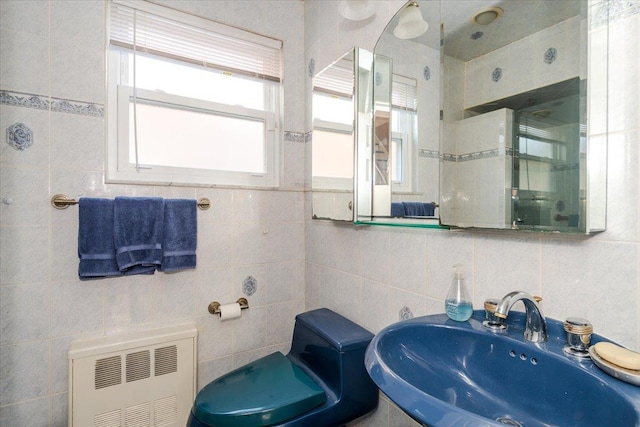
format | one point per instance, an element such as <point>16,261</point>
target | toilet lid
<point>267,391</point>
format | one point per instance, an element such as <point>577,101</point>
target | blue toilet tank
<point>330,349</point>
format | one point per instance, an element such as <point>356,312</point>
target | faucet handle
<point>579,332</point>
<point>490,305</point>
<point>491,320</point>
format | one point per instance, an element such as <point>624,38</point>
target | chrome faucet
<point>536,326</point>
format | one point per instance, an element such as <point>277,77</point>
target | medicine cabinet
<point>493,118</point>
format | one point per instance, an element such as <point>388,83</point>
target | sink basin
<point>447,373</point>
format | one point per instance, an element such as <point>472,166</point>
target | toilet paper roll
<point>230,311</point>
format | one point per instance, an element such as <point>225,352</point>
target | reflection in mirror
<point>382,148</point>
<point>546,171</point>
<point>500,141</point>
<point>341,110</point>
<point>412,43</point>
<point>515,115</point>
<point>333,140</point>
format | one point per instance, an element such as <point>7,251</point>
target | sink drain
<point>508,421</point>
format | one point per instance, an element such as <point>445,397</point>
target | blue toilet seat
<point>267,391</point>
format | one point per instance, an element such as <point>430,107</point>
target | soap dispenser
<point>458,305</point>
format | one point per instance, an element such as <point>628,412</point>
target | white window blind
<point>336,80</point>
<point>197,40</point>
<point>404,93</point>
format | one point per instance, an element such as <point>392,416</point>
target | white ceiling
<point>521,18</point>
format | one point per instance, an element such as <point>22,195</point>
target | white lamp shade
<point>356,10</point>
<point>411,24</point>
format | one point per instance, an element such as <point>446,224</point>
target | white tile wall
<point>522,65</point>
<point>25,60</point>
<point>72,21</point>
<point>478,204</point>
<point>56,49</point>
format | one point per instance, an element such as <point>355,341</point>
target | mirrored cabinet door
<point>516,117</point>
<point>342,121</point>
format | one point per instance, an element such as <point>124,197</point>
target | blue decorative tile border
<point>40,102</point>
<point>77,107</point>
<point>449,157</point>
<point>290,136</point>
<point>431,154</point>
<point>555,168</point>
<point>486,154</point>
<point>478,155</point>
<point>28,100</point>
<point>561,168</point>
<point>307,136</point>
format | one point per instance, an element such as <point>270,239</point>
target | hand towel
<point>180,235</point>
<point>96,248</point>
<point>397,209</point>
<point>138,233</point>
<point>418,209</point>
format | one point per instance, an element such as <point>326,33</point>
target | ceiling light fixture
<point>411,24</point>
<point>356,10</point>
<point>487,16</point>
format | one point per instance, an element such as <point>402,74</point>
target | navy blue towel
<point>418,209</point>
<point>397,209</point>
<point>96,248</point>
<point>138,233</point>
<point>180,235</point>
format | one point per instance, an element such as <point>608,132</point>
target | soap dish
<point>627,375</point>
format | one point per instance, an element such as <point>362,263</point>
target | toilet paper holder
<point>214,307</point>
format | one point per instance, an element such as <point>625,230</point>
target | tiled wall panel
<point>52,81</point>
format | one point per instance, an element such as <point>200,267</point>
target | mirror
<point>407,106</point>
<point>341,113</point>
<point>489,126</point>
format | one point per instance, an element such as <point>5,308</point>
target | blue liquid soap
<point>458,305</point>
<point>458,310</point>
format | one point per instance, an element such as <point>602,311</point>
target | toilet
<point>321,382</point>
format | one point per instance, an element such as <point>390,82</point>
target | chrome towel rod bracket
<point>62,201</point>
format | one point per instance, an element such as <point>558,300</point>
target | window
<point>403,131</point>
<point>190,101</point>
<point>333,139</point>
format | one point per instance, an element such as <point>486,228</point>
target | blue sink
<point>446,373</point>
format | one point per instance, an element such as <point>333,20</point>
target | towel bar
<point>62,201</point>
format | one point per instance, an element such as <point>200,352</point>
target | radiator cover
<point>144,379</point>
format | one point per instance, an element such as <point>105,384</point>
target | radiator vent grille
<point>141,379</point>
<point>108,372</point>
<point>166,360</point>
<point>166,411</point>
<point>138,366</point>
<point>138,416</point>
<point>108,419</point>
